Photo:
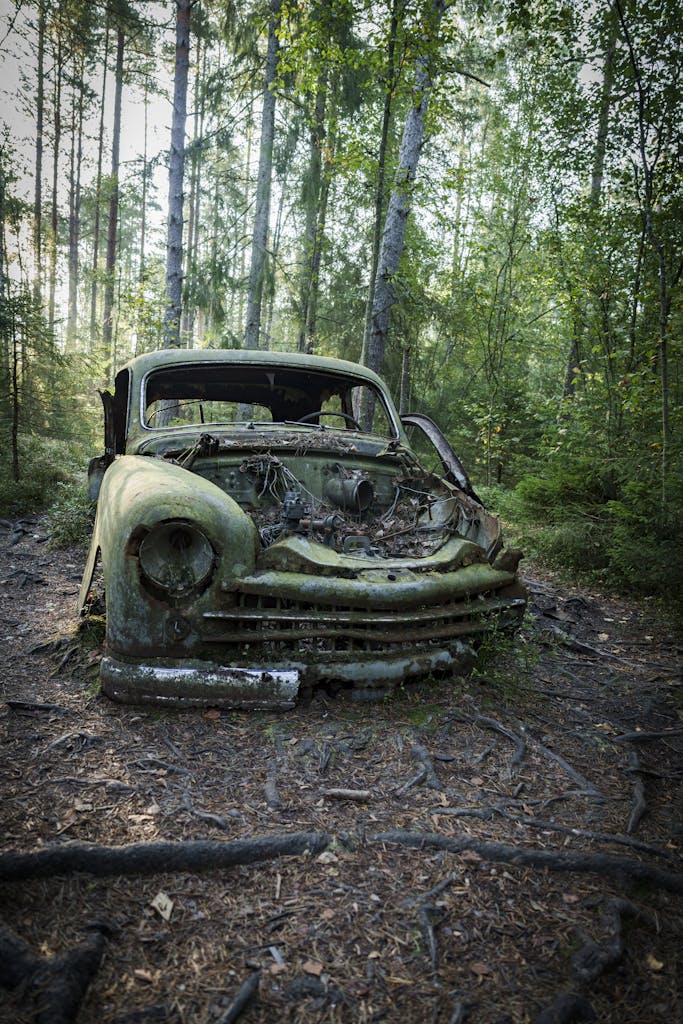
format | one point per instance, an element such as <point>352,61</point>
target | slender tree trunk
<point>38,192</point>
<point>606,89</point>
<point>174,245</point>
<point>75,209</point>
<point>109,285</point>
<point>381,172</point>
<point>54,215</point>
<point>400,201</point>
<point>145,185</point>
<point>247,183</point>
<point>186,327</point>
<point>312,187</point>
<point>263,185</point>
<point>98,195</point>
<point>312,309</point>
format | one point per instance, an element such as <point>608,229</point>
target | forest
<point>480,199</point>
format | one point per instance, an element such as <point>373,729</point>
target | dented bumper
<point>198,683</point>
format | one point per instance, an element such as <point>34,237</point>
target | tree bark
<point>98,194</point>
<point>38,191</point>
<point>108,312</point>
<point>381,171</point>
<point>263,185</point>
<point>393,235</point>
<point>54,212</point>
<point>174,245</point>
<point>75,209</point>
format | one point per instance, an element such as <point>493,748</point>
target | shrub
<point>71,516</point>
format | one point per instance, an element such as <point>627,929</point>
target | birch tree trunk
<point>381,170</point>
<point>176,167</point>
<point>393,235</point>
<point>263,185</point>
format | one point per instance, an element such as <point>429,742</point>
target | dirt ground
<point>568,742</point>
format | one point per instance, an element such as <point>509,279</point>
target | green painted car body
<point>254,541</point>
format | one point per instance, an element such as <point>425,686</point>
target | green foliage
<point>647,546</point>
<point>71,515</point>
<point>47,463</point>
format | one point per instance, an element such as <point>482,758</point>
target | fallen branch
<point>554,860</point>
<point>359,795</point>
<point>150,858</point>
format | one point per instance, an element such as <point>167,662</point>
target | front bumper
<point>201,683</point>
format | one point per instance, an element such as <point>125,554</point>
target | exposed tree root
<point>565,1009</point>
<point>150,858</point>
<point>246,994</point>
<point>421,753</point>
<point>520,746</point>
<point>593,959</point>
<point>639,805</point>
<point>56,985</point>
<point>553,860</point>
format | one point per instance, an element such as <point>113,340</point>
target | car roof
<point>143,364</point>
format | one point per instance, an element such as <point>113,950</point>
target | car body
<point>254,542</point>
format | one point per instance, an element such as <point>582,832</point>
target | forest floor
<point>568,742</point>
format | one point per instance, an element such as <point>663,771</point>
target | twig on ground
<point>359,795</point>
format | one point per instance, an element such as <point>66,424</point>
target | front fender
<point>137,493</point>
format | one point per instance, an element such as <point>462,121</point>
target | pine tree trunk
<point>312,189</point>
<point>263,185</point>
<point>399,203</point>
<point>312,310</point>
<point>54,213</point>
<point>75,211</point>
<point>108,312</point>
<point>98,195</point>
<point>38,192</point>
<point>174,245</point>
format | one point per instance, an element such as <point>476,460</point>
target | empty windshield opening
<point>214,394</point>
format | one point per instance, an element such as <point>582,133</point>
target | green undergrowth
<point>605,532</point>
<point>45,466</point>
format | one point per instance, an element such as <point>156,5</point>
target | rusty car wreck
<point>255,542</point>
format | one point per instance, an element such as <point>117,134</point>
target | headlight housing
<point>176,557</point>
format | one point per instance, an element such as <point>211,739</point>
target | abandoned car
<point>264,527</point>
